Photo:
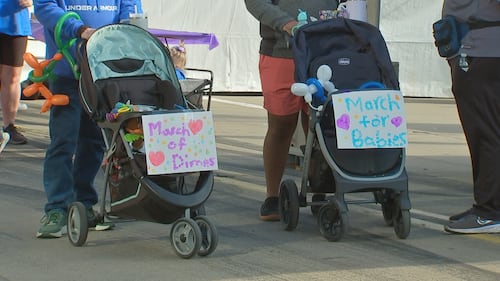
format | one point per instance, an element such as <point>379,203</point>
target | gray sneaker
<point>53,224</point>
<point>472,224</point>
<point>93,223</point>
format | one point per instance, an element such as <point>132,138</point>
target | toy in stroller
<point>367,158</point>
<point>121,85</point>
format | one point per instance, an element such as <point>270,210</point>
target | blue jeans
<point>75,152</point>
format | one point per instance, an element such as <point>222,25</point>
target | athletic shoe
<point>53,224</point>
<point>22,106</point>
<point>460,215</point>
<point>472,224</point>
<point>269,211</point>
<point>4,139</point>
<point>92,221</point>
<point>15,136</point>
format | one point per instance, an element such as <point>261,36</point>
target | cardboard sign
<point>370,119</point>
<point>179,142</point>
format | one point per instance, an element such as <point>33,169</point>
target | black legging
<point>477,95</point>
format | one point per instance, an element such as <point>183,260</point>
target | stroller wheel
<point>209,236</point>
<point>289,205</point>
<point>317,198</point>
<point>77,224</point>
<point>388,212</point>
<point>185,237</point>
<point>332,223</point>
<point>402,222</point>
<point>384,197</point>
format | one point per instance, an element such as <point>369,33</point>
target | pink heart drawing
<point>195,126</point>
<point>344,122</point>
<point>156,158</point>
<point>396,121</point>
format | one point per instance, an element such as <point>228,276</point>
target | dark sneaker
<point>472,224</point>
<point>92,221</point>
<point>15,136</point>
<point>4,139</point>
<point>53,224</point>
<point>269,211</point>
<point>461,215</point>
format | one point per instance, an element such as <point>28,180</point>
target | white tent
<point>406,26</point>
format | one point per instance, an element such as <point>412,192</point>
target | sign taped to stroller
<point>370,119</point>
<point>179,142</point>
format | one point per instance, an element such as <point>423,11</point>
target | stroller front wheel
<point>209,236</point>
<point>402,223</point>
<point>332,222</point>
<point>185,237</point>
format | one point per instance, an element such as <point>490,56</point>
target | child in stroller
<point>358,56</point>
<point>194,88</point>
<point>121,83</point>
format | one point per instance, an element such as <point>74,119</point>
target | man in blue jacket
<point>76,148</point>
<point>14,30</point>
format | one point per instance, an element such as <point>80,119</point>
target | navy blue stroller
<point>357,53</point>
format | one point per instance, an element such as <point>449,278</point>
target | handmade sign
<point>179,142</point>
<point>370,119</point>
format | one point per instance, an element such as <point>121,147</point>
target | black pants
<point>477,94</point>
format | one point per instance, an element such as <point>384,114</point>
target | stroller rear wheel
<point>185,237</point>
<point>289,205</point>
<point>77,224</point>
<point>332,222</point>
<point>386,200</point>
<point>209,236</point>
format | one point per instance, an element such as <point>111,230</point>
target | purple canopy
<point>169,36</point>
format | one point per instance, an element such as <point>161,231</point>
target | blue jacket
<point>93,13</point>
<point>14,19</point>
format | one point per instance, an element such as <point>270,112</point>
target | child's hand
<point>87,33</point>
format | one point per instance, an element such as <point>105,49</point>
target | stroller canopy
<point>355,50</point>
<point>140,53</point>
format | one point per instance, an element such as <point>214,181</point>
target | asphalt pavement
<point>249,249</point>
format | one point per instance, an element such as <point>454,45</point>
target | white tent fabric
<point>406,26</point>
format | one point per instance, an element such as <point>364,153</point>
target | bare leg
<point>10,92</point>
<point>276,145</point>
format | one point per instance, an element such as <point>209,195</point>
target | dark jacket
<point>482,42</point>
<point>274,14</point>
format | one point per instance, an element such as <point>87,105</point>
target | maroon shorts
<point>12,49</point>
<point>277,76</point>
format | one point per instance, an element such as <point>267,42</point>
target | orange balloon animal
<point>39,76</point>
